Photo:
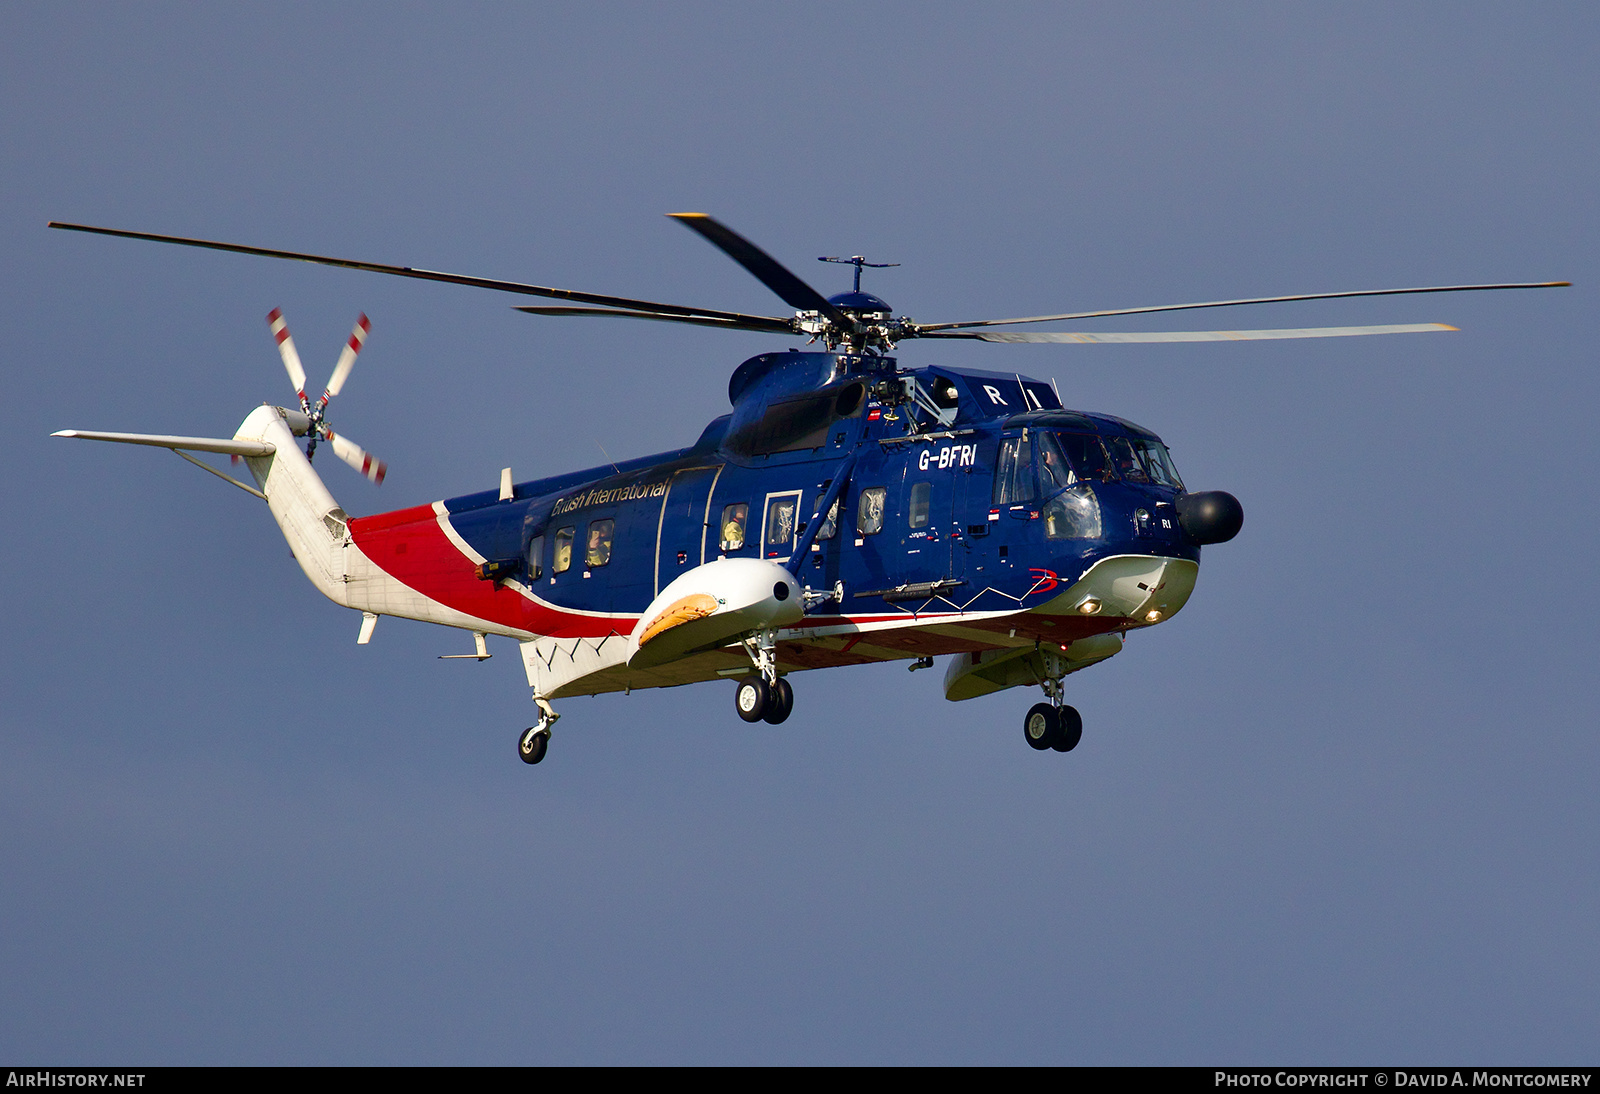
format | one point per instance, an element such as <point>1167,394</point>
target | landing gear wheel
<point>752,699</point>
<point>1042,726</point>
<point>533,743</point>
<point>1071,730</point>
<point>780,703</point>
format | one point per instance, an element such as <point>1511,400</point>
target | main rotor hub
<point>862,306</point>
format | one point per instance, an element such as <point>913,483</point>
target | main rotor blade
<point>1193,335</point>
<point>768,270</point>
<point>406,271</point>
<point>743,322</point>
<point>1234,303</point>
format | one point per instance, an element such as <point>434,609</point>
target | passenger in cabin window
<point>733,522</point>
<point>598,551</point>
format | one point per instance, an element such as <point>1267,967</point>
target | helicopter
<point>847,510</point>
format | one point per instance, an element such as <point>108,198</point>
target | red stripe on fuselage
<point>409,546</point>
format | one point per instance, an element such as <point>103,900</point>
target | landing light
<point>1090,607</point>
<point>1152,616</point>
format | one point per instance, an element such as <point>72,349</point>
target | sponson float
<point>847,510</point>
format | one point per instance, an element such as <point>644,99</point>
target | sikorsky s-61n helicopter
<point>847,511</point>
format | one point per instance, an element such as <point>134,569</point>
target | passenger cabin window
<point>536,558</point>
<point>734,518</point>
<point>869,514</point>
<point>598,550</point>
<point>563,552</point>
<point>917,510</point>
<point>780,520</point>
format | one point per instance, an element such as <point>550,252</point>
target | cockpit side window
<point>1158,462</point>
<point>1068,462</point>
<point>1013,475</point>
<point>1055,472</point>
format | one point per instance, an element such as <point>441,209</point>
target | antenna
<point>858,261</point>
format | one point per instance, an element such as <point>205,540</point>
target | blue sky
<point>1341,810</point>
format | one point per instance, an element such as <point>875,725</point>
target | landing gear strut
<point>1053,725</point>
<point>765,696</point>
<point>535,740</point>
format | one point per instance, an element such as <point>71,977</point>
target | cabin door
<point>686,528</point>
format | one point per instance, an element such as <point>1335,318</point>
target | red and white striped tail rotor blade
<point>291,357</point>
<point>356,456</point>
<point>347,359</point>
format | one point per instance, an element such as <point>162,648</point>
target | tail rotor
<point>364,462</point>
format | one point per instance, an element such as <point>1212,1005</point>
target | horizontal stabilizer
<point>192,444</point>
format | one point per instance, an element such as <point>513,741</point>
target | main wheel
<point>533,743</point>
<point>752,699</point>
<point>1042,726</point>
<point>1071,730</point>
<point>781,703</point>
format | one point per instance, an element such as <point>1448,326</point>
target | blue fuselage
<point>920,510</point>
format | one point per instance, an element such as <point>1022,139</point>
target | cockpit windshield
<point>1066,459</point>
<point>1044,462</point>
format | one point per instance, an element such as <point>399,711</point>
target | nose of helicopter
<point>1214,516</point>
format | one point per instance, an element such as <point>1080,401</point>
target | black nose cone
<point>1212,517</point>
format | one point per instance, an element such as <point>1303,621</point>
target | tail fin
<point>311,520</point>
